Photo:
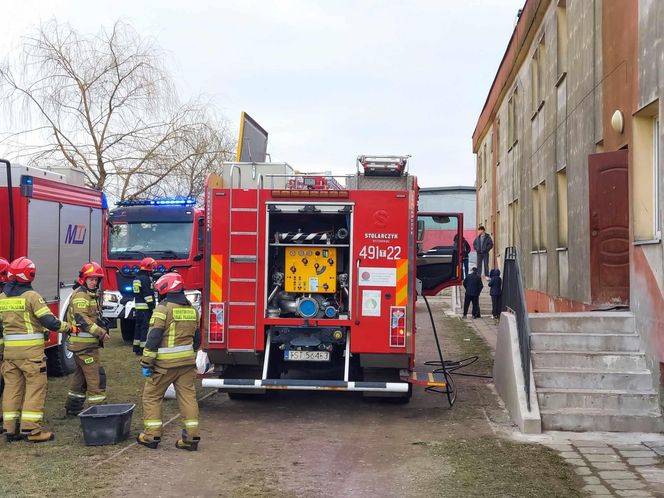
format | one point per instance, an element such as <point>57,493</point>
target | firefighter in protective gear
<point>23,318</point>
<point>4,266</point>
<point>169,358</point>
<point>143,302</point>
<point>89,375</point>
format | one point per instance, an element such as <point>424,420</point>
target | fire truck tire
<point>127,330</point>
<point>59,361</point>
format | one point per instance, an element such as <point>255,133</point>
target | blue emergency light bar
<point>182,201</point>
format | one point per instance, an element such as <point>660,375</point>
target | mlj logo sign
<point>75,234</point>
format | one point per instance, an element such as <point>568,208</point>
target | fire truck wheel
<point>127,330</point>
<point>59,361</point>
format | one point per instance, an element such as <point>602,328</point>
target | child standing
<point>496,292</point>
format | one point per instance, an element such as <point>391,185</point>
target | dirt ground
<point>337,444</point>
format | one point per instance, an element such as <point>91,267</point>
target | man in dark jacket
<point>473,285</point>
<point>496,292</point>
<point>483,244</point>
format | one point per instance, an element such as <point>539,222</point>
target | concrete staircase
<point>590,374</point>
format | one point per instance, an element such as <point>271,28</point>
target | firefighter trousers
<point>24,395</point>
<point>88,377</point>
<point>182,379</point>
<point>141,329</point>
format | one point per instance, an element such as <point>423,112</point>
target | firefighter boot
<point>147,441</point>
<point>38,437</point>
<point>74,404</point>
<point>14,436</point>
<point>189,445</point>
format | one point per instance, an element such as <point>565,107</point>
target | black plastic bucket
<point>106,424</point>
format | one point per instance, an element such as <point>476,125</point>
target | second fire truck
<point>315,288</point>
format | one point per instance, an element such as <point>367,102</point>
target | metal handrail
<point>514,301</point>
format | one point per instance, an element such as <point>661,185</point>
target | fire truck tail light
<point>216,322</point>
<point>397,326</point>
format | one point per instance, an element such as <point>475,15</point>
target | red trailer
<point>315,289</point>
<point>51,218</point>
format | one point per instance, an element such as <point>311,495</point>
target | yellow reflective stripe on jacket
<point>23,340</point>
<point>175,352</point>
<point>2,341</point>
<point>42,312</point>
<point>158,314</point>
<point>149,354</point>
<point>12,304</point>
<point>171,335</point>
<point>28,322</point>
<point>142,306</point>
<point>148,299</point>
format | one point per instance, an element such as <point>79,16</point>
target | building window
<point>537,68</point>
<point>513,223</point>
<point>646,193</point>
<point>657,178</point>
<point>486,161</point>
<point>562,208</point>
<point>561,17</point>
<point>539,218</point>
<point>512,125</point>
<point>496,236</point>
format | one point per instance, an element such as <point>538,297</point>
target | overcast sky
<point>327,79</point>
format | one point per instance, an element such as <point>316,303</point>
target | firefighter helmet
<point>22,270</point>
<point>91,269</point>
<point>147,264</point>
<point>170,282</point>
<point>4,265</point>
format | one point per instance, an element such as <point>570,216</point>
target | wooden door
<point>609,227</point>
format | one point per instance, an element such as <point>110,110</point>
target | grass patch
<point>464,343</point>
<point>500,468</point>
<point>64,467</point>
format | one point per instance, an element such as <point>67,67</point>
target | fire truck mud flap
<point>306,385</point>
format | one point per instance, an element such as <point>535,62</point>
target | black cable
<point>447,368</point>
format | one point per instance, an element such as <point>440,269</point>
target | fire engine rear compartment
<point>306,308</point>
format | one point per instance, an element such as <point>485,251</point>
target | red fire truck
<point>315,289</point>
<point>168,230</point>
<point>54,220</point>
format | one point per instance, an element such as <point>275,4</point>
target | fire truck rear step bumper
<point>306,385</point>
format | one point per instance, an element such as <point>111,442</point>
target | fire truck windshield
<point>158,240</point>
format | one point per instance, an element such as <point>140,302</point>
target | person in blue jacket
<point>496,292</point>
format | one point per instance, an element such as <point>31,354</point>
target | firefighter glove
<point>147,372</point>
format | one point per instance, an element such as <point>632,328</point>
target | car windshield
<point>157,240</point>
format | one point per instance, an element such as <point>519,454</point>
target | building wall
<point>557,132</point>
<point>647,262</point>
<point>612,59</point>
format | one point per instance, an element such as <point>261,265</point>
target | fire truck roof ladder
<point>243,250</point>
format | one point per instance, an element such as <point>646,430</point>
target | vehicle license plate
<point>307,355</point>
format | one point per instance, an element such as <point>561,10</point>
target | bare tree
<point>104,104</point>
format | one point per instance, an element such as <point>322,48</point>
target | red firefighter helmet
<point>147,264</point>
<point>170,282</point>
<point>22,270</point>
<point>91,269</point>
<point>4,266</point>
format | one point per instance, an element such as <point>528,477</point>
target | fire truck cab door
<point>438,248</point>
